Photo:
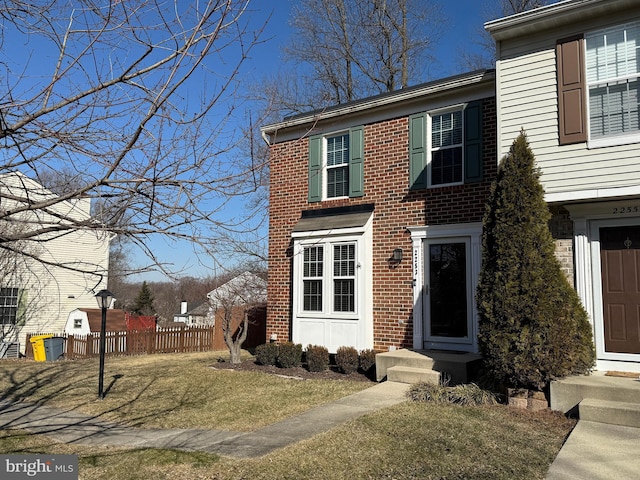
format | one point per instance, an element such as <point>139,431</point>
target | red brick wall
<point>396,208</point>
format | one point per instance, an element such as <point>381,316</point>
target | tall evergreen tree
<point>143,304</point>
<point>533,327</point>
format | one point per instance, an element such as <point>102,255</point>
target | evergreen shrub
<point>289,355</point>
<point>367,361</point>
<point>317,358</point>
<point>267,353</point>
<point>347,359</point>
<point>532,326</point>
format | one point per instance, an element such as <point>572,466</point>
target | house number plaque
<point>627,209</point>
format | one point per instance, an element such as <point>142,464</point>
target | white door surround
<point>422,237</point>
<point>588,219</point>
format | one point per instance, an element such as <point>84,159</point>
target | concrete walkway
<point>74,428</point>
<point>598,451</point>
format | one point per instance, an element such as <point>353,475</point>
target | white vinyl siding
<point>528,99</point>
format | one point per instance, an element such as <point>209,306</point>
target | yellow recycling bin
<point>37,344</point>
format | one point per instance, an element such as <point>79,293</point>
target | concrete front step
<point>402,374</point>
<point>567,393</point>
<point>610,412</point>
<point>454,366</point>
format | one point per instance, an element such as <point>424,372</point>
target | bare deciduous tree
<point>134,102</point>
<point>485,55</point>
<point>349,49</point>
<point>233,304</point>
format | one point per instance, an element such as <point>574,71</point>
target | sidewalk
<point>598,451</point>
<point>74,428</point>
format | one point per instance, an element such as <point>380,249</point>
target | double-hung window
<point>613,80</point>
<point>329,281</point>
<point>337,148</point>
<point>9,302</point>
<point>445,146</point>
<point>445,164</point>
<point>336,165</point>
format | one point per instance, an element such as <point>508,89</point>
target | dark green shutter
<point>417,151</point>
<point>315,168</point>
<point>473,142</point>
<point>356,162</point>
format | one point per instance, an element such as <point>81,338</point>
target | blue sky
<point>464,19</point>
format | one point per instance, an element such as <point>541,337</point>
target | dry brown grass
<point>169,391</point>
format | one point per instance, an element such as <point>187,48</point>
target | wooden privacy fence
<point>136,342</point>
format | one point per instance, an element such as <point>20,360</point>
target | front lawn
<point>408,441</point>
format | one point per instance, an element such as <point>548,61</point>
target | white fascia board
<point>554,15</point>
<point>593,194</point>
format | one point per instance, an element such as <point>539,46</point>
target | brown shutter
<point>572,103</point>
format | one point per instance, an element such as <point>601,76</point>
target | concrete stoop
<point>598,398</point>
<point>412,366</point>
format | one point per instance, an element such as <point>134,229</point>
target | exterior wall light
<point>397,255</point>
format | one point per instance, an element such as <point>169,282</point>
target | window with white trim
<point>335,285</point>
<point>613,80</point>
<point>445,148</point>
<point>9,302</point>
<point>337,166</point>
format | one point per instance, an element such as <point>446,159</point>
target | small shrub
<point>471,394</point>
<point>317,358</point>
<point>347,359</point>
<point>367,361</point>
<point>427,392</point>
<point>468,394</point>
<point>289,355</point>
<point>267,353</point>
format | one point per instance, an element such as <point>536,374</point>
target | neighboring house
<point>242,296</point>
<point>197,316</point>
<point>376,213</point>
<point>569,75</point>
<point>36,292</point>
<point>83,321</point>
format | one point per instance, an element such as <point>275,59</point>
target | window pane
<point>612,74</point>
<point>312,279</point>
<point>312,295</point>
<point>8,305</point>
<point>338,182</point>
<point>446,166</point>
<point>344,265</point>
<point>343,296</point>
<point>338,150</point>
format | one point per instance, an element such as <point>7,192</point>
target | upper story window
<point>336,165</point>
<point>9,301</point>
<point>445,146</point>
<point>613,74</point>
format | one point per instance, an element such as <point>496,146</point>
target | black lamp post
<point>104,301</point>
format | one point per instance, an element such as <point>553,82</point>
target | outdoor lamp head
<point>104,298</point>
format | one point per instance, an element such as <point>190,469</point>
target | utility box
<point>37,344</point>
<point>54,348</point>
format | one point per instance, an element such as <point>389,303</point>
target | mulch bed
<point>300,373</point>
